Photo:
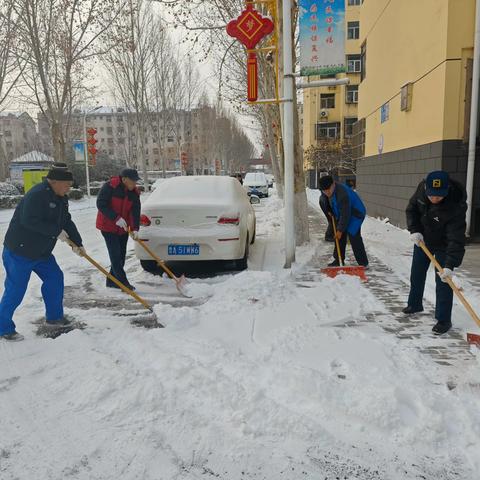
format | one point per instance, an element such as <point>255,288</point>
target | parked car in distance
<point>197,218</point>
<point>270,179</point>
<point>256,183</point>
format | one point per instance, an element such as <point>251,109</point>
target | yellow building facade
<point>414,99</point>
<point>332,111</point>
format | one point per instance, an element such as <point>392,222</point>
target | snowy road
<point>264,374</point>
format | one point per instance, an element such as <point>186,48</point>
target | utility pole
<point>472,141</point>
<point>288,134</point>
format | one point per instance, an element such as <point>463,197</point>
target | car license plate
<point>184,249</point>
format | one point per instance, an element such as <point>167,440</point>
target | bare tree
<point>167,80</point>
<point>331,155</point>
<point>60,41</point>
<point>131,63</point>
<point>10,71</point>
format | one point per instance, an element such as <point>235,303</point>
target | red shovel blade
<point>473,339</point>
<point>357,271</point>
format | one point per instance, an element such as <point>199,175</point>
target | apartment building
<point>166,135</point>
<point>18,134</point>
<point>414,100</point>
<point>331,112</point>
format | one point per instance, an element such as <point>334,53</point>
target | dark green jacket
<point>38,220</point>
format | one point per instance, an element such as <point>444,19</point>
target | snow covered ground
<point>265,374</point>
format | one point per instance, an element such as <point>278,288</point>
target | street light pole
<point>288,134</point>
<point>85,153</point>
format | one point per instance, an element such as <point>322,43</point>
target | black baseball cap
<point>436,184</point>
<point>130,173</point>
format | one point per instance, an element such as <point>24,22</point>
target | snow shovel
<point>117,282</point>
<point>180,282</point>
<point>472,338</point>
<point>332,272</point>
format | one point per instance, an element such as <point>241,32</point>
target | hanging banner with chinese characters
<point>322,37</point>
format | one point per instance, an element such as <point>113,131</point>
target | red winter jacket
<point>114,201</point>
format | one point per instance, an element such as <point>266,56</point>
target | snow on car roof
<point>196,188</point>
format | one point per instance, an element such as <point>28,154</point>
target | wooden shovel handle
<point>458,293</point>
<point>113,279</point>
<point>159,261</point>
<point>337,243</point>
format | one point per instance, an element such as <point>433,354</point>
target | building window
<point>8,133</point>
<point>385,112</point>
<point>348,126</point>
<point>351,95</point>
<point>354,2</point>
<point>327,100</point>
<point>327,130</point>
<point>109,119</point>
<point>170,139</point>
<point>354,64</point>
<point>363,57</point>
<point>353,30</point>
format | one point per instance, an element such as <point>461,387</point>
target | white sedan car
<point>197,218</point>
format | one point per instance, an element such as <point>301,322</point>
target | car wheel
<point>149,265</point>
<point>266,195</point>
<point>242,263</point>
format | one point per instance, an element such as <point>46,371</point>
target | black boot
<point>335,263</point>
<point>410,310</point>
<point>440,328</point>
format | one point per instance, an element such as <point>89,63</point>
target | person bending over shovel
<point>436,216</point>
<point>118,204</point>
<point>40,219</point>
<point>348,213</point>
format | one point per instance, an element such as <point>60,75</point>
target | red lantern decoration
<point>91,149</point>
<point>250,28</point>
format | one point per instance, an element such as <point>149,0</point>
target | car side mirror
<point>254,200</point>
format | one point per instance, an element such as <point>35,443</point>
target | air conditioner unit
<point>323,113</point>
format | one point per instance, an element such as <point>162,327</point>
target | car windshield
<point>255,177</point>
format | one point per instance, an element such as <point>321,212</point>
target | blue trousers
<point>19,270</point>
<point>418,275</point>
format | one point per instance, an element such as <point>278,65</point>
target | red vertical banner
<point>252,77</point>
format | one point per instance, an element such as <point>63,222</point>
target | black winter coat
<point>37,221</point>
<point>442,225</point>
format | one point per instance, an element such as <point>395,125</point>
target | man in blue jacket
<point>349,212</point>
<point>39,220</point>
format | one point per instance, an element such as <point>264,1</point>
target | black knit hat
<point>325,182</point>
<point>60,171</point>
<point>130,173</point>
